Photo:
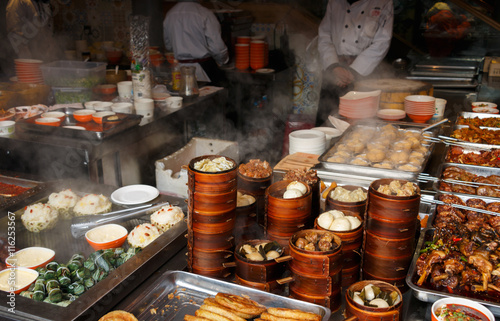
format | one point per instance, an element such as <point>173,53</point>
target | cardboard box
<point>494,70</point>
<point>172,179</point>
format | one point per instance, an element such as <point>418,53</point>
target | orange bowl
<point>11,273</point>
<point>107,236</point>
<point>83,115</point>
<point>48,121</point>
<point>419,118</point>
<point>97,117</point>
<point>31,257</point>
<point>106,89</point>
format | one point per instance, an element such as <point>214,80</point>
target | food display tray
<point>468,114</point>
<point>177,293</point>
<point>430,295</point>
<point>92,304</point>
<point>92,130</point>
<point>473,169</point>
<point>33,185</point>
<point>373,172</point>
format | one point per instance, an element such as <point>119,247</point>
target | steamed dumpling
<point>337,214</point>
<point>298,186</point>
<point>355,222</point>
<point>340,224</point>
<point>325,220</point>
<point>292,193</point>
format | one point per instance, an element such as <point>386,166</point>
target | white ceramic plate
<point>265,70</point>
<point>134,194</point>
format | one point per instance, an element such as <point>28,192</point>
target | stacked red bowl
<point>28,71</point>
<point>242,51</point>
<point>258,54</point>
<point>358,105</point>
<point>420,108</point>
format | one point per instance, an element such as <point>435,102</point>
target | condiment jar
<point>189,84</point>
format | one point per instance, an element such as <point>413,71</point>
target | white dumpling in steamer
<point>340,224</point>
<point>325,220</point>
<point>298,186</point>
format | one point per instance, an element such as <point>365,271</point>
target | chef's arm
<point>216,46</point>
<point>326,48</point>
<point>366,62</point>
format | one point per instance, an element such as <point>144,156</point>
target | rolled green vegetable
<point>89,264</point>
<point>88,282</point>
<point>50,274</point>
<point>52,266</point>
<point>27,294</point>
<point>54,291</point>
<point>76,288</point>
<point>64,303</point>
<point>100,260</point>
<point>64,280</point>
<point>39,290</point>
<point>62,270</point>
<point>75,262</point>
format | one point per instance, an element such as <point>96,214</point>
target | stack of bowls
<point>211,219</point>
<point>420,108</point>
<point>309,141</point>
<point>358,105</point>
<point>242,51</point>
<point>28,71</point>
<point>258,54</point>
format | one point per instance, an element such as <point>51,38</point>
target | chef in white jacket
<point>193,33</point>
<point>353,38</point>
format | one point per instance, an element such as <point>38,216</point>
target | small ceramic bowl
<point>7,127</point>
<point>49,121</point>
<point>90,104</point>
<point>83,115</point>
<point>463,304</point>
<point>31,257</point>
<point>483,104</point>
<point>106,89</point>
<point>103,106</point>
<point>54,114</point>
<point>97,117</point>
<point>29,275</point>
<point>106,236</point>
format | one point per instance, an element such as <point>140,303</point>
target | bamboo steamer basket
<point>271,286</point>
<point>348,208</point>
<point>352,242</point>
<point>400,283</point>
<point>394,90</point>
<point>355,311</point>
<point>391,216</point>
<point>257,188</point>
<point>212,217</point>
<point>211,241</point>
<point>331,302</point>
<point>315,263</point>
<point>396,247</point>
<point>318,286</point>
<point>258,271</point>
<point>282,240</point>
<point>210,259</point>
<point>386,266</point>
<point>246,226</point>
<point>223,273</point>
<point>209,202</point>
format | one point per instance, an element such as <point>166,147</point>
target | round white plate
<point>75,127</point>
<point>134,194</point>
<point>265,70</point>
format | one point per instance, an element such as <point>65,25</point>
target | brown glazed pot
<point>317,286</point>
<point>316,263</point>
<point>210,259</point>
<point>271,287</point>
<point>257,271</point>
<point>392,313</point>
<point>348,208</point>
<point>332,302</point>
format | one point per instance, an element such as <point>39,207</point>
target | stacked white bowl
<point>308,141</point>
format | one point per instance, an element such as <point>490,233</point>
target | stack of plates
<point>28,71</point>
<point>391,114</point>
<point>308,141</point>
<point>357,105</point>
<point>420,108</point>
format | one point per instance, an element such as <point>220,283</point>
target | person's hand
<point>342,77</point>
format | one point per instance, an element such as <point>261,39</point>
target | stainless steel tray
<point>473,169</point>
<point>178,293</point>
<point>468,114</point>
<point>470,148</point>
<point>92,130</point>
<point>34,188</point>
<point>104,295</point>
<point>431,295</point>
<point>369,171</point>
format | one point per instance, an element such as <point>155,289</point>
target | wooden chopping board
<point>394,90</point>
<point>297,161</point>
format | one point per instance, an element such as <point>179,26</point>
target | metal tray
<point>92,130</point>
<point>34,187</point>
<point>473,169</point>
<point>431,295</point>
<point>368,171</point>
<point>468,114</point>
<point>107,293</point>
<point>178,293</point>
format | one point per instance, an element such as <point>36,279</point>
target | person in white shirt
<point>353,38</point>
<point>193,33</point>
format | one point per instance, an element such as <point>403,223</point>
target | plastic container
<point>67,95</point>
<point>80,74</point>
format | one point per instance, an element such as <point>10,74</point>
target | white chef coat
<point>363,29</point>
<point>192,31</point>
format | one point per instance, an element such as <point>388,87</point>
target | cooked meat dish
<point>460,174</point>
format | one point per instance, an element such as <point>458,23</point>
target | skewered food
<point>373,296</point>
<point>261,252</point>
<point>142,235</point>
<point>218,164</point>
<point>166,217</point>
<point>92,204</point>
<point>63,202</point>
<point>39,217</point>
<point>256,168</point>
